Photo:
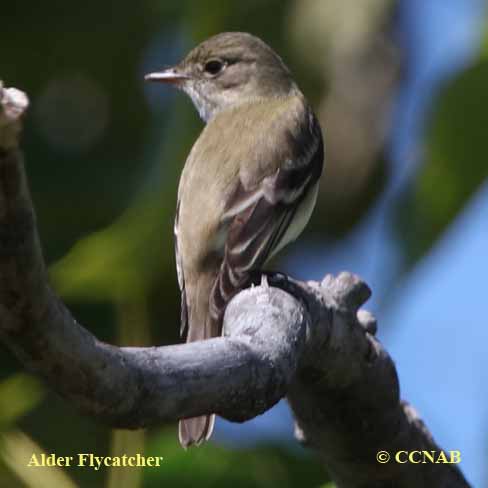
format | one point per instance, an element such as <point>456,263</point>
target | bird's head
<point>227,70</point>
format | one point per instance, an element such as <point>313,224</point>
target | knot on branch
<point>348,290</point>
<point>13,104</point>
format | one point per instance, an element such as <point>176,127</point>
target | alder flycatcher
<point>249,184</point>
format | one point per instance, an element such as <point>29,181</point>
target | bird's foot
<point>269,278</point>
<point>281,280</point>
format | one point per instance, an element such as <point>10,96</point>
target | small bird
<point>249,184</point>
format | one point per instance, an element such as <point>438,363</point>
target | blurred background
<point>401,89</point>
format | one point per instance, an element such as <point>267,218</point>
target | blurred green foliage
<point>455,162</point>
<point>19,394</point>
<point>216,466</point>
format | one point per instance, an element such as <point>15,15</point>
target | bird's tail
<point>201,325</point>
<point>195,430</point>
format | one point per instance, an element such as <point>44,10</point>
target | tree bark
<point>308,341</point>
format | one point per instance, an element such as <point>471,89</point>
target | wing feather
<point>260,217</point>
<point>181,278</point>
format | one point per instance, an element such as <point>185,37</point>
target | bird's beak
<point>170,75</point>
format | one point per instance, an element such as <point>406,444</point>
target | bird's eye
<point>213,67</point>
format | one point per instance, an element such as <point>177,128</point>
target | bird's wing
<point>259,217</point>
<point>181,277</point>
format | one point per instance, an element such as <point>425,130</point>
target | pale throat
<point>207,107</point>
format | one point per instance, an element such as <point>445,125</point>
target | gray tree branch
<point>309,342</point>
